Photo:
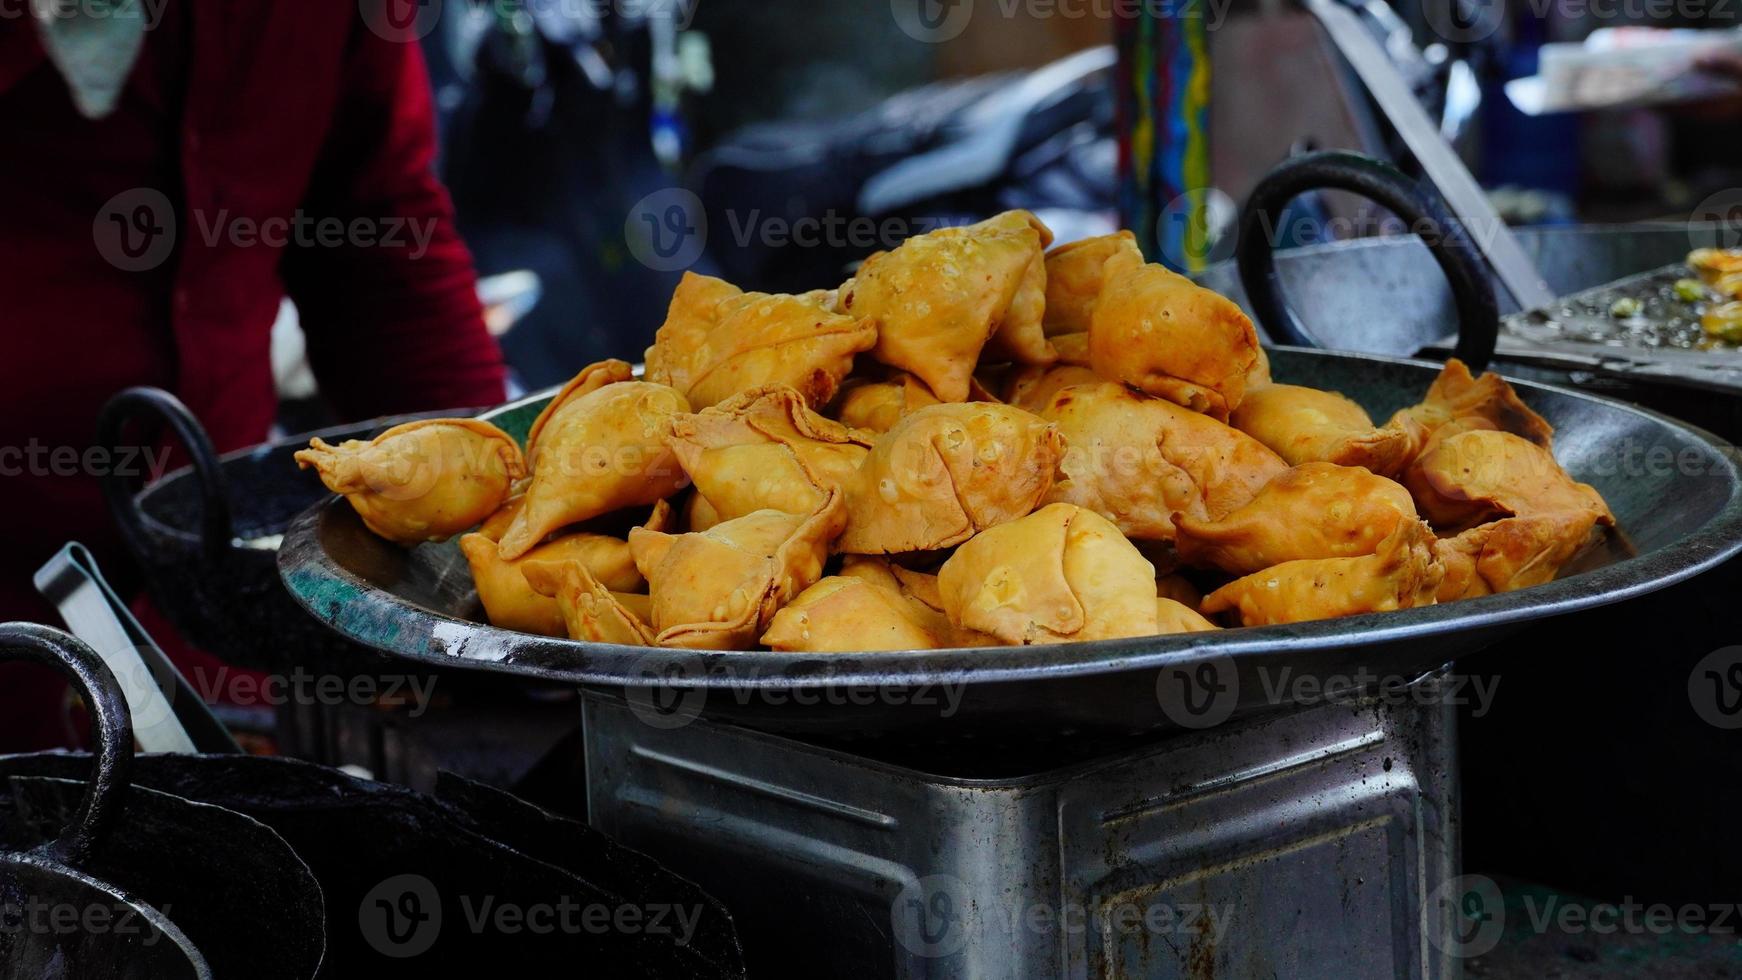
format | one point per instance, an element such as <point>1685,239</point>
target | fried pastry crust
<point>1075,273</point>
<point>421,481</point>
<point>868,607</point>
<point>1402,574</point>
<point>764,450</point>
<point>1163,334</point>
<point>512,603</point>
<point>1138,460</point>
<point>1474,476</point>
<point>602,451</point>
<point>590,611</point>
<point>718,589</point>
<point>1512,553</point>
<point>1306,425</point>
<point>1314,510</point>
<point>1063,573</point>
<point>938,299</point>
<point>946,472</point>
<point>718,340</point>
<point>1485,402</point>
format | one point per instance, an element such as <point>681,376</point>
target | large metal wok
<point>1677,519</point>
<point>1386,296</point>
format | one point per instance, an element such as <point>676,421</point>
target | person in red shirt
<point>159,194</point>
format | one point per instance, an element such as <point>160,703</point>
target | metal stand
<point>1306,843</point>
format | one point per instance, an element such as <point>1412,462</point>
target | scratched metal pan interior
<point>1676,494</point>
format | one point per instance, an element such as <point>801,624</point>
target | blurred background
<point>569,129</point>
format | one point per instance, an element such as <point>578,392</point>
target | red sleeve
<point>392,314</point>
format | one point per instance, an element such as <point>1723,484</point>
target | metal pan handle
<point>112,728</point>
<point>1446,238</point>
<point>215,526</point>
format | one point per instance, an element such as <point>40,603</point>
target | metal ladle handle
<point>1420,208</point>
<point>112,729</point>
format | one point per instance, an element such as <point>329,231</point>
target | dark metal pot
<point>206,537</point>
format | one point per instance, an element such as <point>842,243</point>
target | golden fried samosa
<point>876,405</point>
<point>1175,586</point>
<point>717,589</point>
<point>718,340</point>
<point>1173,616</point>
<point>591,378</point>
<point>601,452</point>
<point>1456,396</point>
<point>1402,574</point>
<point>699,515</point>
<point>1306,425</point>
<point>1073,348</point>
<point>421,481</point>
<point>1137,460</point>
<point>1019,336</point>
<point>1259,374</point>
<point>764,450</point>
<point>1512,553</point>
<point>1032,388</point>
<point>1314,510</point>
<point>866,607</point>
<point>1163,334</point>
<point>1480,475</point>
<point>938,298</point>
<point>511,603</point>
<point>1063,573</point>
<point>1075,272</point>
<point>589,611</point>
<point>944,473</point>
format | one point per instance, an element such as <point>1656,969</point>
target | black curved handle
<point>215,526</point>
<point>1414,203</point>
<point>112,728</point>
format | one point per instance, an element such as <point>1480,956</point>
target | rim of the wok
<point>484,647</point>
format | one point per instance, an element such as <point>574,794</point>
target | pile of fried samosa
<point>975,441</point>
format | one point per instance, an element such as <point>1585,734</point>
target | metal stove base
<point>1310,843</point>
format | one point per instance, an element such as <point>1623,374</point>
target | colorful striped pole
<point>1163,82</point>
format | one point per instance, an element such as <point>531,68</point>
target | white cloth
<point>94,44</point>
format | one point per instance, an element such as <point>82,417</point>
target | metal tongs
<point>168,715</point>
